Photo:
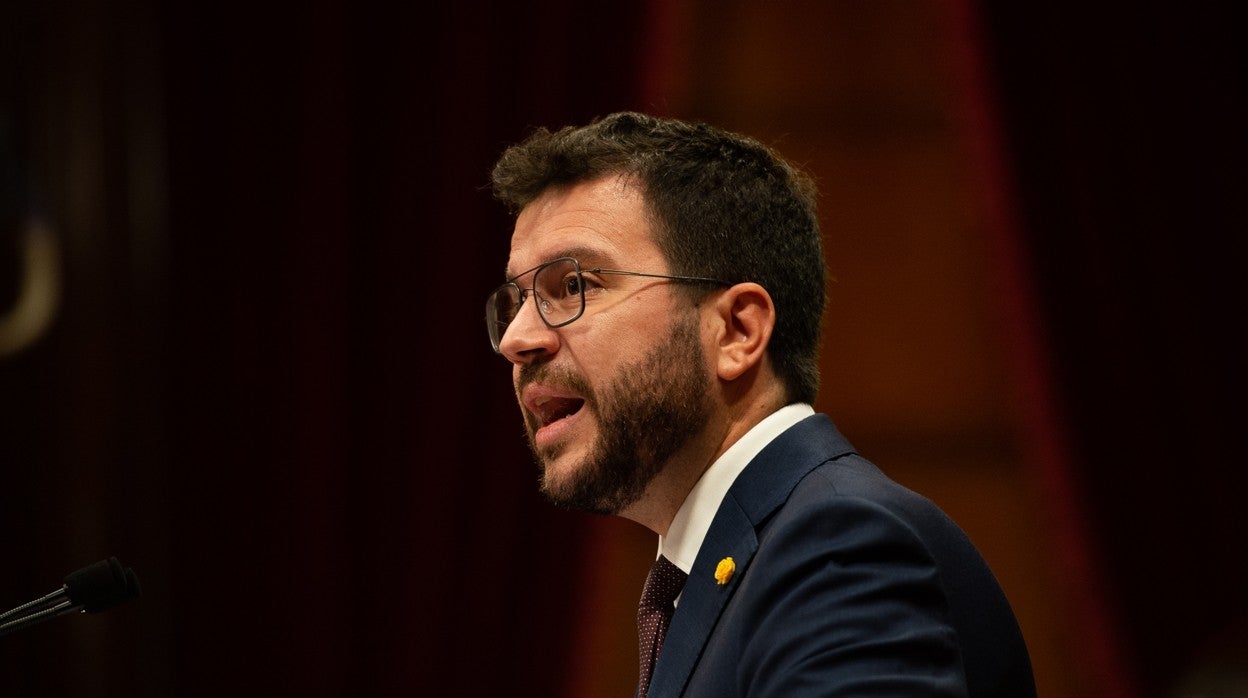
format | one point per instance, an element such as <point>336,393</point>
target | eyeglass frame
<point>524,293</point>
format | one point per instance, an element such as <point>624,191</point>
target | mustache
<point>555,377</point>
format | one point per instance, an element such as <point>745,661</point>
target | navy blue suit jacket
<point>846,584</point>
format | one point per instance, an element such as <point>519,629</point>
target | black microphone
<point>96,587</point>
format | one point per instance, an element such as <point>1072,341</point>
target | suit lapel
<point>703,598</point>
<point>760,489</point>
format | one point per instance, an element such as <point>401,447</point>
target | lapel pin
<point>724,570</point>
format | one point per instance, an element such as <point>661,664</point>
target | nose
<point>528,338</point>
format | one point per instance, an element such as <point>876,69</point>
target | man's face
<point>610,398</point>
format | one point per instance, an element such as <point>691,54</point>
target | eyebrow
<point>589,258</point>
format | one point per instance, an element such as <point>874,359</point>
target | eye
<point>571,285</point>
<point>507,302</point>
<point>521,295</point>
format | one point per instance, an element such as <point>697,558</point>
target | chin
<point>559,471</point>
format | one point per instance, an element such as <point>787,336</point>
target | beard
<point>649,411</point>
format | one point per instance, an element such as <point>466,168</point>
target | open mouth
<point>551,408</point>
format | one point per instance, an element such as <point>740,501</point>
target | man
<point>662,312</point>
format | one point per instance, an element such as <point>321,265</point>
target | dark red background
<point>269,390</point>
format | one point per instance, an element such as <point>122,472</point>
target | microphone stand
<point>93,588</point>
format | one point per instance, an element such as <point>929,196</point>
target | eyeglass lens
<point>557,286</point>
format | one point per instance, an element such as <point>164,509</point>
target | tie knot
<point>663,585</point>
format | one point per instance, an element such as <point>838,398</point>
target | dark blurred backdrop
<point>243,256</point>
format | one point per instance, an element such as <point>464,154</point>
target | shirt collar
<point>693,519</point>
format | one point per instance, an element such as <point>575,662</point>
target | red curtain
<point>1123,126</point>
<point>336,239</point>
<point>269,391</point>
<point>280,408</point>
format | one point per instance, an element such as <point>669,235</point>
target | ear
<point>744,319</point>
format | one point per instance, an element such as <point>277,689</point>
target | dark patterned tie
<point>655,613</point>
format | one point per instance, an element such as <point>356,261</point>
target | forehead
<point>602,222</point>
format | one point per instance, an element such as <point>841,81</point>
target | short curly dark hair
<point>724,205</point>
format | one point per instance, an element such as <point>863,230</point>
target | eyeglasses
<point>559,286</point>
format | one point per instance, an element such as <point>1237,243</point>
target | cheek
<point>600,352</point>
<point>599,345</point>
<point>634,323</point>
